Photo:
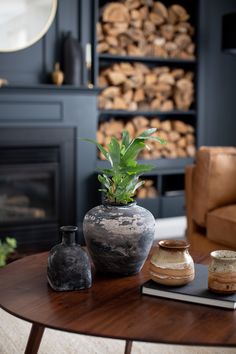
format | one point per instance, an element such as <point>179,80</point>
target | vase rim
<point>109,204</point>
<point>174,244</point>
<point>69,228</point>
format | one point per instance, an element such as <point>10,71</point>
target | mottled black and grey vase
<point>119,238</point>
<point>69,267</point>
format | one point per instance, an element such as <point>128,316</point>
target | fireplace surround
<point>47,175</point>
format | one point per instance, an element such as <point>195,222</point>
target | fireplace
<point>28,193</point>
<point>36,185</point>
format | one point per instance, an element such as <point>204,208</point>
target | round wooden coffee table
<point>112,308</point>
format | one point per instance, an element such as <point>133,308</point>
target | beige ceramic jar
<point>222,272</point>
<point>171,263</point>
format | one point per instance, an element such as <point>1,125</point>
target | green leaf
<point>146,134</point>
<point>6,247</point>
<point>156,138</point>
<point>114,152</point>
<point>107,171</point>
<point>138,169</point>
<point>105,181</point>
<point>117,179</point>
<point>132,151</point>
<point>125,181</point>
<point>125,138</point>
<point>2,260</point>
<point>11,242</point>
<point>99,146</point>
<point>131,163</point>
<point>139,184</point>
<point>126,189</point>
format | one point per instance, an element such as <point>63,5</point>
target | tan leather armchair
<point>210,192</point>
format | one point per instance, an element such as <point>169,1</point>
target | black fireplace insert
<point>37,186</point>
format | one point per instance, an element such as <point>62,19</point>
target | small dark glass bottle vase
<point>69,267</point>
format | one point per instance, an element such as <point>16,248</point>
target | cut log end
<point>180,141</point>
<point>145,28</point>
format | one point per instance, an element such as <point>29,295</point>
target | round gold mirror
<point>24,22</point>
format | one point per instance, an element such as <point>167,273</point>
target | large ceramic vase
<point>119,238</point>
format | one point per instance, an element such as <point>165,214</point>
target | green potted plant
<point>119,233</point>
<point>6,248</point>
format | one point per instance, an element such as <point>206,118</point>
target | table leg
<point>128,346</point>
<point>34,339</point>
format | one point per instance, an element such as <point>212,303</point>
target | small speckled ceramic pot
<point>222,272</point>
<point>119,238</point>
<point>171,263</point>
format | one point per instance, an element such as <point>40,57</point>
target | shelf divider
<point>110,112</point>
<point>129,58</point>
<point>162,166</point>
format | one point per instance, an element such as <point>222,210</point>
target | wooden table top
<point>113,307</point>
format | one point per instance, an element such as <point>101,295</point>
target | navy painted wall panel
<point>34,64</point>
<point>217,77</point>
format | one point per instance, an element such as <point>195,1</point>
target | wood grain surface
<point>113,307</point>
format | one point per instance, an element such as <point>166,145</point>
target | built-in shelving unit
<point>168,172</point>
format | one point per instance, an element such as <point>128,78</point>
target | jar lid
<point>224,254</point>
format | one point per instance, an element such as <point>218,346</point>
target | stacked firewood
<point>145,28</point>
<point>138,87</point>
<point>148,190</point>
<point>179,136</point>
